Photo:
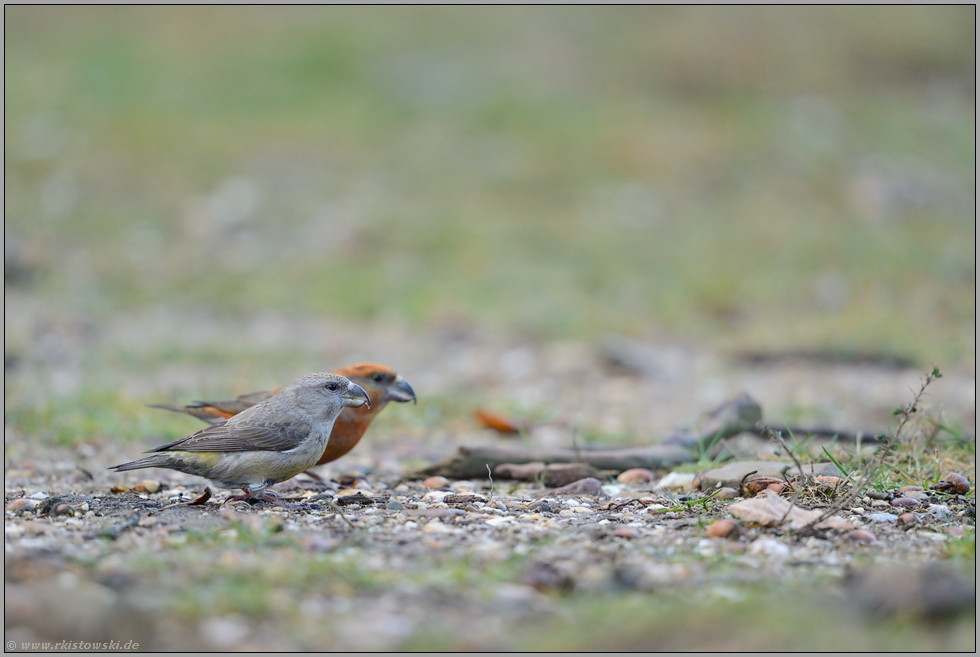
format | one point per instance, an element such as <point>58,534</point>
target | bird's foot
<point>271,498</point>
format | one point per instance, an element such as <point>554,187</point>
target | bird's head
<point>380,382</point>
<point>328,391</point>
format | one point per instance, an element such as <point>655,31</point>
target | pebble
<point>954,482</point>
<point>904,502</point>
<point>435,482</point>
<point>883,517</point>
<point>860,536</point>
<point>769,547</point>
<point>732,474</point>
<point>611,490</point>
<point>587,486</point>
<point>879,503</point>
<point>653,508</point>
<point>677,481</point>
<point>39,496</point>
<point>20,505</point>
<point>626,532</point>
<point>436,527</point>
<point>394,505</point>
<point>908,518</point>
<point>726,494</point>
<point>722,528</point>
<point>147,486</point>
<point>635,476</point>
<point>909,489</point>
<point>497,522</point>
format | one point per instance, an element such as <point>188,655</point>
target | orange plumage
<point>381,383</point>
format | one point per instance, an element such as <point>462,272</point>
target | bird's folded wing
<point>227,437</point>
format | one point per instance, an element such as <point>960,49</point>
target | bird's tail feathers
<point>155,461</point>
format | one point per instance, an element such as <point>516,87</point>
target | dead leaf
<point>497,422</point>
<point>768,508</point>
<point>202,499</point>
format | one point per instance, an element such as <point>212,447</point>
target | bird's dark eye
<point>331,386</point>
<point>378,377</point>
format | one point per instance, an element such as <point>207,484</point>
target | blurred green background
<point>752,178</point>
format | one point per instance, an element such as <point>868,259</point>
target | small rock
<point>825,469</point>
<point>828,481</point>
<point>20,505</point>
<point>908,489</point>
<point>464,499</point>
<point>953,482</point>
<point>436,527</point>
<point>542,506</point>
<point>732,475</point>
<point>654,508</point>
<point>722,529</point>
<point>635,476</point>
<point>611,490</point>
<point>919,497</point>
<point>860,536</point>
<point>756,485</point>
<point>625,532</point>
<point>769,547</point>
<point>435,482</point>
<point>908,518</point>
<point>39,496</point>
<point>677,481</point>
<point>435,513</point>
<point>904,502</point>
<point>883,517</point>
<point>147,486</point>
<point>588,486</point>
<point>726,494</point>
<point>394,505</point>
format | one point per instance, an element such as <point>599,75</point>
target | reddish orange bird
<point>382,386</point>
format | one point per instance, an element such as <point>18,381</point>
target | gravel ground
<point>98,557</point>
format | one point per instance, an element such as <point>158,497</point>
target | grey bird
<point>265,444</point>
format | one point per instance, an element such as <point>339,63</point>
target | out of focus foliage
<point>761,177</point>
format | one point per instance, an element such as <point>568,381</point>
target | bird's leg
<point>249,496</point>
<point>269,497</point>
